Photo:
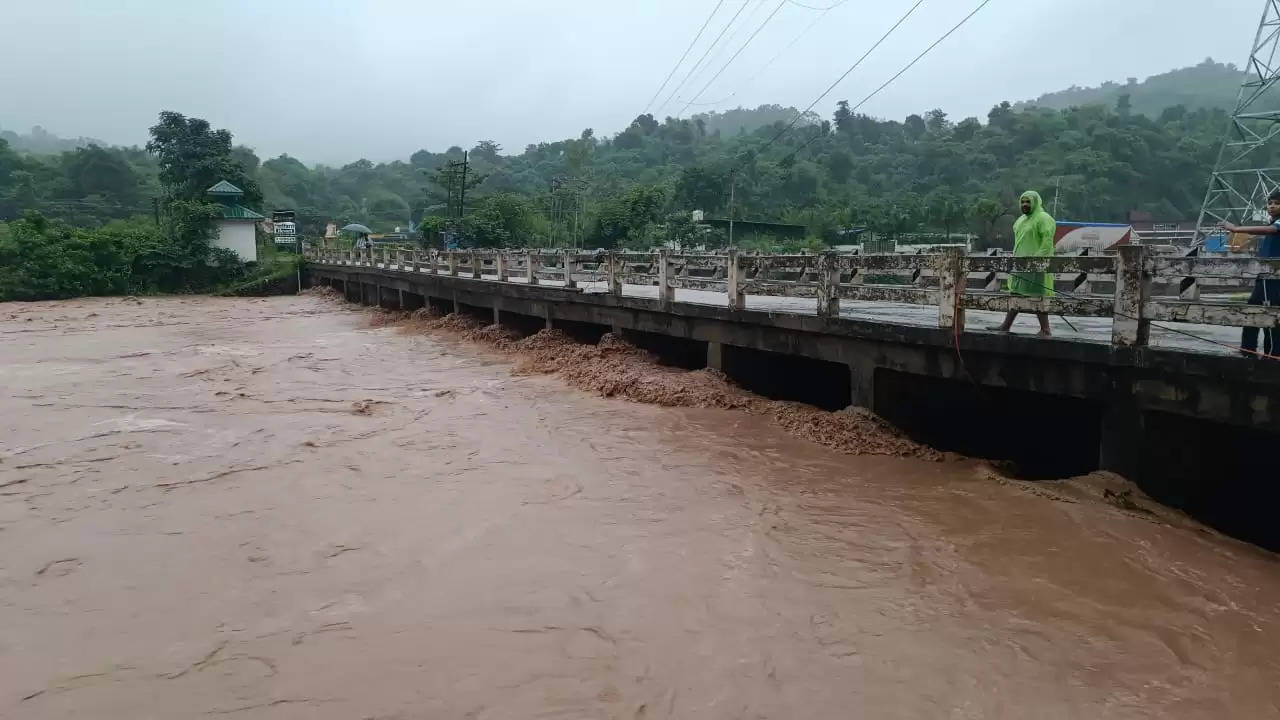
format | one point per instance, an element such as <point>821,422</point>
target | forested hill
<point>747,120</point>
<point>1207,85</point>
<point>42,142</point>
<point>924,172</point>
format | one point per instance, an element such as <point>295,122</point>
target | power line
<point>713,102</point>
<point>724,29</point>
<point>818,18</point>
<point>811,7</point>
<point>844,75</point>
<point>734,56</point>
<point>731,40</point>
<point>796,39</point>
<point>900,73</point>
<point>697,37</point>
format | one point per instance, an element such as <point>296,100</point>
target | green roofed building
<point>235,229</point>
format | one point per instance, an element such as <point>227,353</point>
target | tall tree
<point>193,157</point>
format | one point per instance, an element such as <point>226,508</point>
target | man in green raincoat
<point>1032,237</point>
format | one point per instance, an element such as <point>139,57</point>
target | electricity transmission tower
<point>1242,177</point>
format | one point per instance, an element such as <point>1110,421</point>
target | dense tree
<point>193,157</point>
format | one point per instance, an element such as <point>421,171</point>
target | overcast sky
<point>336,80</point>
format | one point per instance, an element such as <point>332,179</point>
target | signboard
<point>286,233</point>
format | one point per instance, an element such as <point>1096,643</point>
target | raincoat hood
<point>1036,203</point>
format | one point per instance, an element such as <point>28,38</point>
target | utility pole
<point>732,184</point>
<point>462,190</point>
<point>1057,189</point>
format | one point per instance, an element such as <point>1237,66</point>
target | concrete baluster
<point>453,262</point>
<point>417,261</point>
<point>733,280</point>
<point>666,291</point>
<point>828,285</point>
<point>570,263</point>
<point>615,273</point>
<point>1133,287</point>
<point>475,265</point>
<point>952,272</point>
<point>534,264</point>
<point>500,264</point>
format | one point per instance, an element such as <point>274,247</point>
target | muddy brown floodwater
<point>269,509</point>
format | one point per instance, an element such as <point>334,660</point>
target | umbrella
<point>357,228</point>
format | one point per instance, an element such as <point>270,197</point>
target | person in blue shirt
<point>1265,291</point>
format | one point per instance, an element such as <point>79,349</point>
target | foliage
<point>94,241</point>
<point>42,259</point>
<point>1209,85</point>
<point>279,277</point>
<point>193,157</point>
<point>626,220</point>
<point>922,174</point>
<point>42,142</point>
<point>741,121</point>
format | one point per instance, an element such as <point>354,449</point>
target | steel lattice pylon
<point>1241,180</point>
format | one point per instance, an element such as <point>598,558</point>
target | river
<point>268,508</point>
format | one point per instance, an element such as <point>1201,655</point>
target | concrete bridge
<point>1134,389</point>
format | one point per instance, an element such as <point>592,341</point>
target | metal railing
<point>951,281</point>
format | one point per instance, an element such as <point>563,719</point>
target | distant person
<point>1032,237</point>
<point>1265,291</point>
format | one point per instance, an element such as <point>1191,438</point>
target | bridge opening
<point>1035,436</point>
<point>583,332</point>
<point>779,376</point>
<point>440,305</point>
<point>1221,475</point>
<point>483,314</point>
<point>411,301</point>
<point>673,351</point>
<point>522,324</point>
<point>387,298</point>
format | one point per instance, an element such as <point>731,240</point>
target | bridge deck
<point>1088,329</point>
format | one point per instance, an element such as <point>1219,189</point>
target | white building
<point>235,229</point>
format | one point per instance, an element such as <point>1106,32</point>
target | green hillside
<point>1207,85</point>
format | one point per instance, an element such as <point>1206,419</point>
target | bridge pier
<point>411,300</point>
<point>1122,435</point>
<point>862,382</point>
<point>388,298</point>
<point>715,356</point>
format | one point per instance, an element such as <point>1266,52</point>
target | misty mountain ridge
<point>1207,85</point>
<point>42,142</point>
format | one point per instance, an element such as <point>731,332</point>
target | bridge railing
<point>1117,286</point>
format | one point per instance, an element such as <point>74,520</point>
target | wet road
<point>267,509</point>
